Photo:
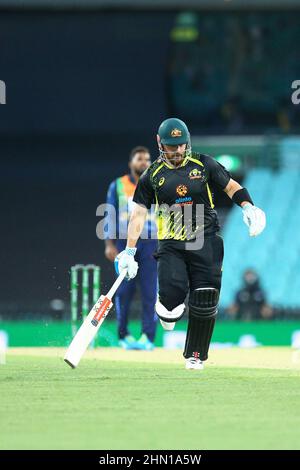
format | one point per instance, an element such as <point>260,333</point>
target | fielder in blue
<point>119,195</point>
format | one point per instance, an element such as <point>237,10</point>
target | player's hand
<point>254,218</point>
<point>125,260</point>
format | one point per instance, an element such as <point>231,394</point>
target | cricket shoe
<point>144,344</point>
<point>168,326</point>
<point>128,342</point>
<point>194,363</point>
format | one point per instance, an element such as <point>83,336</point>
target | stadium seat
<point>265,254</point>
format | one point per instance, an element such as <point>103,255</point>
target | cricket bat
<point>91,325</point>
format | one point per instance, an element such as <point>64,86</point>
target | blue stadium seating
<point>275,253</point>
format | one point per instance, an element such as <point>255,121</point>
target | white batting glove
<point>254,218</point>
<point>125,260</point>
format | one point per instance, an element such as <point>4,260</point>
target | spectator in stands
<point>250,301</point>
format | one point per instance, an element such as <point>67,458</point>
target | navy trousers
<point>147,279</point>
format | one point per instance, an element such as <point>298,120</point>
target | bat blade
<point>87,331</point>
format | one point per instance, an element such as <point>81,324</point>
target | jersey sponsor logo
<point>181,190</point>
<point>161,181</point>
<point>184,201</point>
<point>176,132</point>
<point>195,174</point>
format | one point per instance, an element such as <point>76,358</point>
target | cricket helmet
<point>173,131</point>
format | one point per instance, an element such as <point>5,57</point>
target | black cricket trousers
<point>181,270</point>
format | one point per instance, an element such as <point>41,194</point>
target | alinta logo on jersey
<point>2,92</point>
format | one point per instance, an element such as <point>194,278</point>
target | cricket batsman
<point>179,178</point>
<point>120,194</point>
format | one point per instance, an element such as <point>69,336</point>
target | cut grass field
<point>244,399</point>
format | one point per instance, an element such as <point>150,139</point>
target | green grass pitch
<point>244,399</point>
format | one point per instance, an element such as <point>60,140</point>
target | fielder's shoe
<point>194,363</point>
<point>128,342</point>
<point>144,343</point>
<point>168,326</point>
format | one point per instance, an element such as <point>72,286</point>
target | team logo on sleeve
<point>181,190</point>
<point>176,132</point>
<point>195,174</point>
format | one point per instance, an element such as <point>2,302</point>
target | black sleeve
<point>217,172</point>
<point>144,192</point>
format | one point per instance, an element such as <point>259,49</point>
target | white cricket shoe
<point>169,326</point>
<point>194,363</point>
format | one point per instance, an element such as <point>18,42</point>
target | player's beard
<point>175,159</point>
<point>139,171</point>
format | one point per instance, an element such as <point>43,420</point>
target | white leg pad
<point>169,316</point>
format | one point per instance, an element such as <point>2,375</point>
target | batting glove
<point>125,260</point>
<point>254,218</point>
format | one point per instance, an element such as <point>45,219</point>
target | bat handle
<point>116,284</point>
